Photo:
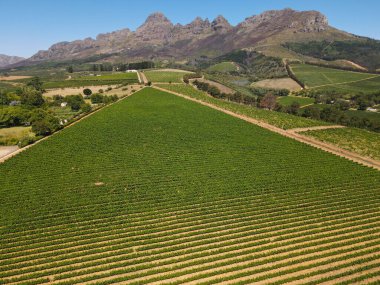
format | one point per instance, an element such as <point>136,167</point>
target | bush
<point>87,92</point>
<point>46,126</point>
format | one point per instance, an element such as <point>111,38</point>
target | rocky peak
<point>308,21</point>
<point>156,27</point>
<point>220,24</point>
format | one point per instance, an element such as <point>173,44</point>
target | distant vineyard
<point>281,120</point>
<point>156,188</point>
<point>107,79</point>
<point>164,76</point>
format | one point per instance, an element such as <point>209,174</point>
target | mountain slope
<point>158,37</point>
<point>6,60</point>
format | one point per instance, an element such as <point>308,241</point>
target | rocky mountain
<point>6,60</point>
<point>158,37</point>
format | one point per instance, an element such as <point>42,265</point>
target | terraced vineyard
<point>158,189</point>
<point>281,120</point>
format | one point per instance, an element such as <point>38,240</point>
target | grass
<point>226,66</point>
<point>130,76</point>
<point>164,76</point>
<point>322,77</point>
<point>357,140</point>
<point>158,188</point>
<point>11,136</point>
<point>288,100</point>
<point>281,120</point>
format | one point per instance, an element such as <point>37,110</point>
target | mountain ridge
<point>158,37</point>
<point>6,60</point>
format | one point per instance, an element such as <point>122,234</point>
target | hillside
<point>159,38</point>
<point>6,60</point>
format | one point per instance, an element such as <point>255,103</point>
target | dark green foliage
<point>70,69</point>
<point>74,101</point>
<point>14,116</point>
<point>46,126</point>
<point>36,83</point>
<point>365,53</point>
<point>4,99</point>
<point>31,97</point>
<point>99,98</point>
<point>87,92</point>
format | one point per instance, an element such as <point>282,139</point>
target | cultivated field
<point>119,91</point>
<point>281,120</point>
<point>175,192</point>
<point>322,77</point>
<point>13,77</point>
<point>106,79</point>
<point>288,100</point>
<point>165,75</point>
<point>357,140</point>
<point>279,83</point>
<point>224,67</point>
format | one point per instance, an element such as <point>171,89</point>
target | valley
<point>199,152</point>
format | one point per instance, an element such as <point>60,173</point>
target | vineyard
<point>281,120</point>
<point>357,140</point>
<point>165,76</point>
<point>106,79</point>
<point>157,189</point>
<point>323,77</point>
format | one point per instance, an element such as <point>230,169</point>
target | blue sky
<point>31,25</point>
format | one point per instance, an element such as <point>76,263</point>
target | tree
<point>75,102</point>
<point>46,126</point>
<point>86,108</point>
<point>4,100</point>
<point>87,92</point>
<point>70,69</point>
<point>294,107</point>
<point>31,96</point>
<point>268,101</point>
<point>36,83</point>
<point>97,99</point>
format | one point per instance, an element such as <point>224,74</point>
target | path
<point>142,77</point>
<point>6,151</point>
<point>317,128</point>
<point>290,134</point>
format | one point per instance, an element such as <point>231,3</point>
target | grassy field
<point>322,77</point>
<point>281,120</point>
<point>223,67</point>
<point>278,83</point>
<point>288,100</point>
<point>11,136</point>
<point>164,76</point>
<point>357,140</point>
<point>176,192</point>
<point>107,79</point>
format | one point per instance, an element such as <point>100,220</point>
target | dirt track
<point>291,134</point>
<point>142,77</point>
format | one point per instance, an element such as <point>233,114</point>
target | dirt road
<point>291,134</point>
<point>142,77</point>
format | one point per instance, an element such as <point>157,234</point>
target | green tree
<point>87,92</point>
<point>97,98</point>
<point>36,83</point>
<point>70,69</point>
<point>31,96</point>
<point>46,126</point>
